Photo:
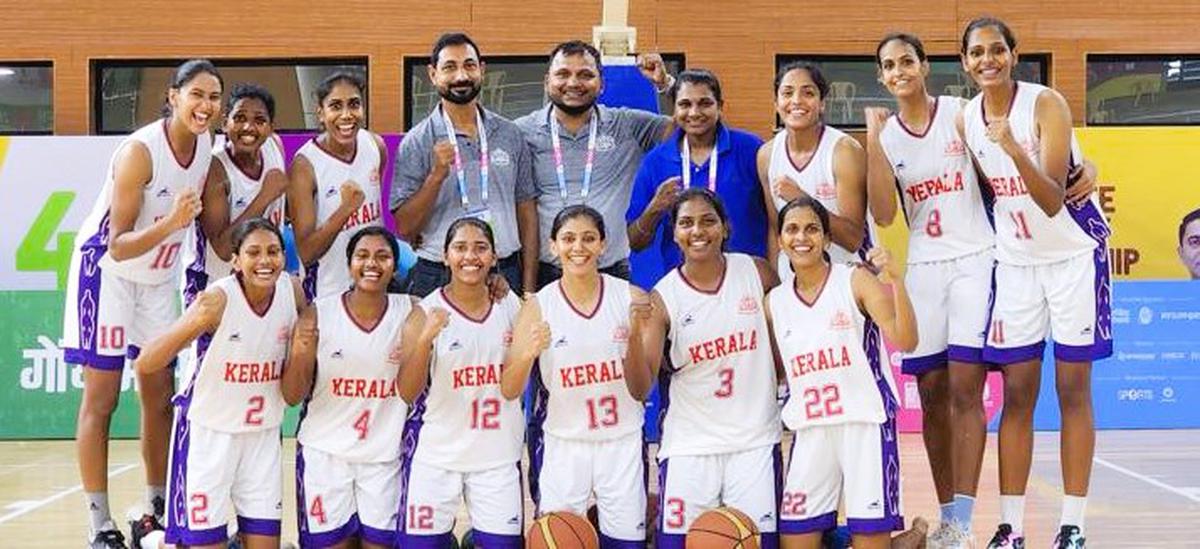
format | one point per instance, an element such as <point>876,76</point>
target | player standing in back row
<point>1052,272</point>
<point>335,185</point>
<point>123,286</point>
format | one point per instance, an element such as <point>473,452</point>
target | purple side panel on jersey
<point>87,302</point>
<point>412,436</point>
<point>259,527</point>
<point>178,531</point>
<point>195,276</point>
<point>918,365</point>
<point>332,537</point>
<point>310,281</point>
<point>818,523</point>
<point>536,439</point>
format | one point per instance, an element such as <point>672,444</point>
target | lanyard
<point>459,169</point>
<point>560,169</point>
<point>685,157</point>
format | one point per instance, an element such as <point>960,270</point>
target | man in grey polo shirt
<point>618,137</point>
<point>442,174</point>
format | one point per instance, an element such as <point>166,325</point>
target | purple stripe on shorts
<point>87,303</point>
<point>386,538</point>
<point>662,495</point>
<point>917,365</point>
<point>332,537</point>
<point>435,541</point>
<point>818,523</point>
<point>301,504</point>
<point>132,351</point>
<point>177,512</point>
<point>964,354</point>
<point>498,541</point>
<point>1101,346</point>
<point>891,473</point>
<point>1013,355</point>
<point>875,526</point>
<point>93,360</point>
<point>669,541</point>
<point>412,436</point>
<point>211,536</point>
<point>259,527</point>
<point>607,542</point>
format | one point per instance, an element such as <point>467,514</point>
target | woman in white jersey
<point>124,281</point>
<point>586,438</point>
<point>335,184</point>
<point>720,429</point>
<point>919,153</point>
<point>345,358</point>
<point>463,439</point>
<point>809,158</point>
<point>225,451</point>
<point>825,325</point>
<point>1052,273</point>
<point>246,180</point>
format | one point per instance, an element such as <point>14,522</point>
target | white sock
<point>156,498</point>
<point>1012,512</point>
<point>1072,511</point>
<point>98,512</point>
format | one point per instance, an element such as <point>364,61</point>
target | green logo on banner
<point>34,254</point>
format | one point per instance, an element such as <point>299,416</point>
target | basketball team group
<point>573,265</point>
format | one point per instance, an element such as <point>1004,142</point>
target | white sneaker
<point>950,535</point>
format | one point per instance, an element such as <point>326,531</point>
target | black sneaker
<point>108,538</point>
<point>142,527</point>
<point>1069,537</point>
<point>1005,537</point>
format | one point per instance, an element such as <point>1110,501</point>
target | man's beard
<point>572,110</point>
<point>459,97</point>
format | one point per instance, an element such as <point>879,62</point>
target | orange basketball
<point>562,530</point>
<point>723,528</point>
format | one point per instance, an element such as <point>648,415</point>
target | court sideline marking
<point>1148,480</point>
<point>36,504</point>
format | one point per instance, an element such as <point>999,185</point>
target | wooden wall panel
<point>736,39</point>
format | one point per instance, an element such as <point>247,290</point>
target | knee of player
<point>95,404</point>
<point>1074,396</point>
<point>1020,397</point>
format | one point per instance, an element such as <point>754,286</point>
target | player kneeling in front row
<point>826,326</point>
<point>347,444</point>
<point>586,436</point>
<point>463,438</point>
<point>225,449</point>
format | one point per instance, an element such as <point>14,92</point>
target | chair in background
<point>842,93</point>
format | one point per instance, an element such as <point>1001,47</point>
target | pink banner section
<point>293,141</point>
<point>908,420</point>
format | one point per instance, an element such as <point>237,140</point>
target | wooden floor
<point>1145,490</point>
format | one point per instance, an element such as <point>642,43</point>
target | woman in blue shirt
<point>718,157</point>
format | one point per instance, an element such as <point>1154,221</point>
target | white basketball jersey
<point>939,190</point>
<point>831,356</point>
<point>233,385</point>
<point>243,187</point>
<point>331,275</point>
<point>583,371</point>
<point>169,176</point>
<point>815,178</point>
<point>719,390</point>
<point>1025,235</point>
<point>462,422</point>
<point>355,411</point>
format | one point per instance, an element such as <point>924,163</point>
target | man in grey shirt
<point>442,174</point>
<point>618,137</point>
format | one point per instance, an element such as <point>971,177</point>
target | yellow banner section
<point>1149,180</point>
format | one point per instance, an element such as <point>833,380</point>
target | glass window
<point>512,85</point>
<point>130,94</point>
<point>1143,89</point>
<point>26,98</point>
<point>854,82</point>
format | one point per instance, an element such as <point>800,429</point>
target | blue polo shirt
<point>737,186</point>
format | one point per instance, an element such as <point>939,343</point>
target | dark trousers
<point>427,276</point>
<point>549,272</point>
